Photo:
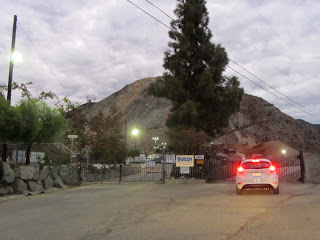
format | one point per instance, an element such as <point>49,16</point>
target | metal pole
<point>13,44</point>
<point>71,150</point>
<point>120,175</point>
<point>163,172</point>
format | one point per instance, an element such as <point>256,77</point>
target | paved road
<point>171,211</point>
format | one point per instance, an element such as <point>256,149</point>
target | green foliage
<point>40,123</point>
<point>133,153</point>
<point>186,141</point>
<point>10,120</point>
<point>105,138</point>
<point>202,98</point>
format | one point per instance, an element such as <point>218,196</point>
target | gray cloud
<point>97,47</point>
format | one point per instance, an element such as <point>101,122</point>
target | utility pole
<point>125,133</point>
<point>13,45</point>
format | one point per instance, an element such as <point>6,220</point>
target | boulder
<point>6,173</point>
<point>40,185</point>
<point>34,186</point>
<point>47,183</point>
<point>24,172</point>
<point>53,172</point>
<point>44,173</point>
<point>19,186</point>
<point>57,182</point>
<point>36,172</point>
<point>69,174</point>
<point>6,190</point>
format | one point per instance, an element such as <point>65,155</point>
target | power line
<point>305,115</point>
<point>242,66</point>
<point>37,52</point>
<point>227,65</point>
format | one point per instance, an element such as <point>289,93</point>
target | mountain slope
<point>150,113</point>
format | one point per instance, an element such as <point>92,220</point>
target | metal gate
<point>148,171</point>
<point>224,169</point>
<point>221,169</point>
<point>290,169</point>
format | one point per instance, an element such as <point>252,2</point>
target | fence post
<point>120,173</point>
<point>302,166</point>
<point>206,167</point>
<point>163,171</point>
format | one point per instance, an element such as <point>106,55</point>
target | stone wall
<point>30,178</point>
<point>312,165</point>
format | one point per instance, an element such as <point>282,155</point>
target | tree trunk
<point>4,152</point>
<point>28,154</point>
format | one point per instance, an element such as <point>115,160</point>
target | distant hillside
<point>315,126</point>
<point>150,113</point>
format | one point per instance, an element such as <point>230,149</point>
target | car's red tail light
<point>240,170</point>
<point>272,168</point>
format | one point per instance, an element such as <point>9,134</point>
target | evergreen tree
<point>202,98</point>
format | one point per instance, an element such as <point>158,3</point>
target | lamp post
<point>283,152</point>
<point>135,133</point>
<point>72,137</point>
<point>162,147</point>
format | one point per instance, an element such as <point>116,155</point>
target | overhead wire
<point>170,28</point>
<point>45,62</point>
<point>313,113</point>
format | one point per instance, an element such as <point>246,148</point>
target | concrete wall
<point>312,164</point>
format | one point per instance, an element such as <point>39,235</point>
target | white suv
<point>257,173</point>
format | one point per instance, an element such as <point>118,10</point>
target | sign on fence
<point>184,161</point>
<point>184,170</point>
<point>171,159</point>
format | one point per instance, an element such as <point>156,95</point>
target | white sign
<point>184,160</point>
<point>198,156</point>
<point>72,136</point>
<point>171,159</point>
<point>184,170</point>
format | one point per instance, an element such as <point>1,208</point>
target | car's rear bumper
<point>257,182</point>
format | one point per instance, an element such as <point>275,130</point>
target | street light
<point>135,133</point>
<point>283,151</point>
<point>16,57</point>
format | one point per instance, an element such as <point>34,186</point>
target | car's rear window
<point>255,165</point>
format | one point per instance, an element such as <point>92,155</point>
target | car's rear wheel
<point>276,190</point>
<point>238,191</point>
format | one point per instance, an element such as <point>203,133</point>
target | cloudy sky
<point>97,47</point>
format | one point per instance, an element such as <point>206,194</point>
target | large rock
<point>24,172</point>
<point>6,173</point>
<point>34,186</point>
<point>36,172</point>
<point>40,185</point>
<point>53,172</point>
<point>19,186</point>
<point>68,174</point>
<point>44,173</point>
<point>47,183</point>
<point>57,182</point>
<point>6,190</point>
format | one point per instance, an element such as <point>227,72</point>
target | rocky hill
<point>149,114</point>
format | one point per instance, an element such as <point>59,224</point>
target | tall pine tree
<point>202,98</point>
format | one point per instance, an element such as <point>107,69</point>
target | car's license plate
<point>256,174</point>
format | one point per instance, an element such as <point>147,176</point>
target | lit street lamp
<point>135,133</point>
<point>16,57</point>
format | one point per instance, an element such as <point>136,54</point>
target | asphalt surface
<point>170,211</point>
